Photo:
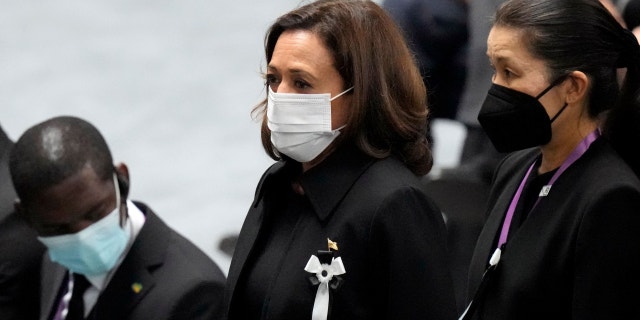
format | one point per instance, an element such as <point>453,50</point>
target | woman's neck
<point>558,150</point>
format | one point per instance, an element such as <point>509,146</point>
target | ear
<point>122,170</point>
<point>122,174</point>
<point>577,85</point>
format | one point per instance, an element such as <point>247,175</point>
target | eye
<point>301,84</point>
<point>96,213</point>
<point>271,79</point>
<point>93,216</point>
<point>51,230</point>
<point>493,71</point>
<point>507,73</point>
<point>501,73</point>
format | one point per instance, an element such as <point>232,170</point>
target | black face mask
<point>514,120</point>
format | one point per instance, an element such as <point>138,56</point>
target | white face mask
<point>300,124</point>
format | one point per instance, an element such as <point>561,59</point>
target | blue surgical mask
<point>93,250</point>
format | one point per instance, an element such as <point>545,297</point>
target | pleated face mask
<point>93,250</point>
<point>300,124</point>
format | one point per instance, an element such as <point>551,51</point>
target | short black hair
<point>51,151</point>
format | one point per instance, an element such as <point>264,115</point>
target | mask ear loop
<point>115,183</point>
<point>122,218</point>
<point>336,97</point>
<point>554,83</point>
<point>340,94</point>
<point>559,112</point>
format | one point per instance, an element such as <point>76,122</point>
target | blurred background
<point>170,84</point>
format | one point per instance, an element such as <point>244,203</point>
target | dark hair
<point>389,111</point>
<point>53,150</point>
<point>582,35</point>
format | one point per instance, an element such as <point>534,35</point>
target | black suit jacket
<point>577,255</point>
<point>178,280</point>
<point>390,235</point>
<point>20,251</point>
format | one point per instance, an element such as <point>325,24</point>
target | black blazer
<point>577,255</point>
<point>178,280</point>
<point>390,235</point>
<point>20,251</point>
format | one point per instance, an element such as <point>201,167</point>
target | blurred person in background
<point>631,15</point>
<point>340,227</point>
<point>479,157</point>
<point>436,31</point>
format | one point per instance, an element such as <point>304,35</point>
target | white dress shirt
<point>132,225</point>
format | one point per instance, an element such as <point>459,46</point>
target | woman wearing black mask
<point>561,239</point>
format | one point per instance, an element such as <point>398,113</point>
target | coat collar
<point>53,278</point>
<point>327,183</point>
<point>133,279</point>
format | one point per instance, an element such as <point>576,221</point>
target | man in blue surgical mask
<point>108,257</point>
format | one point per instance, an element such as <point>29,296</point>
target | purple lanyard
<point>575,155</point>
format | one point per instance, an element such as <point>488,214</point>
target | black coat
<point>577,255</point>
<point>178,280</point>
<point>20,251</point>
<point>390,235</point>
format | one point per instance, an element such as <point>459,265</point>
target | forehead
<point>301,50</point>
<point>70,198</point>
<point>506,45</point>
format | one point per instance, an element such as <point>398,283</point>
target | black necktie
<point>76,304</point>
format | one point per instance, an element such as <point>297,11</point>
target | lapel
<point>54,275</point>
<point>493,226</point>
<point>133,280</point>
<point>342,168</point>
<point>508,180</point>
<point>252,226</point>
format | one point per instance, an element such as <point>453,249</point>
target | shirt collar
<point>132,226</point>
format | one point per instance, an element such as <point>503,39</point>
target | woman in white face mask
<point>340,227</point>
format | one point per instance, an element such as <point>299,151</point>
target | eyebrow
<point>503,61</point>
<point>294,71</point>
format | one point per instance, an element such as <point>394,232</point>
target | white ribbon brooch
<point>327,275</point>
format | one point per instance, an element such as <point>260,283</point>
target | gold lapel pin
<point>136,287</point>
<point>332,245</point>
